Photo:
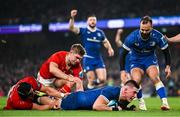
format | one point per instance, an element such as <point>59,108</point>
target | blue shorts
<point>127,63</point>
<point>71,102</point>
<point>90,64</point>
<point>77,101</point>
<point>143,62</point>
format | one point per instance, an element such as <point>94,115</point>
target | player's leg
<point>62,85</point>
<point>91,77</point>
<point>88,66</point>
<point>137,74</point>
<point>71,102</point>
<point>101,76</point>
<point>153,73</point>
<point>100,71</point>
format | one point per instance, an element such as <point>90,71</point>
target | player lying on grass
<point>23,96</point>
<point>98,99</point>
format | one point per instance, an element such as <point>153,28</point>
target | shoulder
<point>60,54</point>
<point>156,33</point>
<point>134,34</point>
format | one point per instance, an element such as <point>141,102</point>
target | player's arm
<point>101,104</point>
<point>53,68</point>
<point>123,74</point>
<point>108,46</point>
<point>51,91</point>
<point>41,107</point>
<point>71,22</point>
<point>168,61</point>
<point>118,38</point>
<point>174,39</point>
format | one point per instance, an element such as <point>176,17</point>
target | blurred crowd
<point>22,54</point>
<point>44,11</point>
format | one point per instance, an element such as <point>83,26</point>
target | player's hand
<point>73,13</point>
<point>168,71</point>
<point>111,52</point>
<point>119,31</point>
<point>70,79</point>
<point>123,76</point>
<point>77,80</point>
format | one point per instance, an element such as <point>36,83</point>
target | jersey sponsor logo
<point>93,39</point>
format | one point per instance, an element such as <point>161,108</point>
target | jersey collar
<point>92,30</point>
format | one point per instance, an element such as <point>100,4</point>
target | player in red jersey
<point>23,96</point>
<point>62,69</point>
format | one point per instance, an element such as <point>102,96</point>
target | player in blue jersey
<point>142,105</point>
<point>142,44</point>
<point>98,99</point>
<point>92,39</point>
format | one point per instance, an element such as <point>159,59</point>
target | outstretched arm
<point>71,22</point>
<point>52,92</point>
<point>168,62</point>
<point>108,46</point>
<point>174,39</point>
<point>118,38</point>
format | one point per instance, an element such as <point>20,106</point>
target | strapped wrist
<point>62,95</point>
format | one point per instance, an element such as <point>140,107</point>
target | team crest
<point>88,32</point>
<point>136,44</point>
<point>98,34</point>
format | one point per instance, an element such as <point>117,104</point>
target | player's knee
<point>156,80</point>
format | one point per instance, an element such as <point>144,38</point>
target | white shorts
<point>45,82</point>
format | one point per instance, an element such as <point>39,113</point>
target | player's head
<point>91,20</point>
<point>25,90</point>
<point>76,53</point>
<point>146,27</point>
<point>129,90</point>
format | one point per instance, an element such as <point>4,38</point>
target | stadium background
<point>22,54</point>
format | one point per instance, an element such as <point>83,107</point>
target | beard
<point>145,36</point>
<point>92,26</point>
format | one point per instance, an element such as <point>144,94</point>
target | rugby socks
<point>139,94</point>
<point>161,91</point>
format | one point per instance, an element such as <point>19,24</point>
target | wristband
<point>62,95</point>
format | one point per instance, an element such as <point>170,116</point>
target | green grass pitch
<point>153,105</point>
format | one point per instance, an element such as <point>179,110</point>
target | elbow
<point>71,28</point>
<point>95,107</point>
<point>51,70</point>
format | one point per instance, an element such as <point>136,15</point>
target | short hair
<point>146,19</point>
<point>132,82</point>
<point>91,15</point>
<point>24,90</point>
<point>78,49</point>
